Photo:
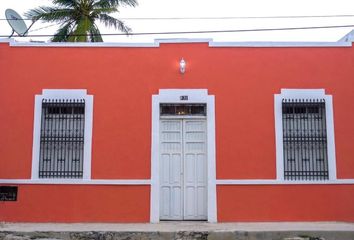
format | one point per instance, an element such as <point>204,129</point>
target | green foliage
<point>77,18</point>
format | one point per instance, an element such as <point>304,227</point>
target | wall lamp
<point>182,66</point>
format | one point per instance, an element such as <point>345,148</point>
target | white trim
<point>78,181</point>
<point>63,94</point>
<point>155,179</point>
<point>148,182</point>
<point>280,44</point>
<point>183,40</point>
<point>183,117</point>
<point>280,182</point>
<point>345,41</point>
<point>304,94</point>
<point>13,43</point>
<point>211,153</point>
<point>349,37</point>
<point>173,96</point>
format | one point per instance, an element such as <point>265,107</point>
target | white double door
<point>183,169</point>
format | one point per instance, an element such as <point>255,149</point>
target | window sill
<point>148,181</point>
<point>280,182</point>
<point>78,181</point>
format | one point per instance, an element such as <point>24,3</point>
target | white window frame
<point>175,96</point>
<point>304,94</point>
<point>63,94</point>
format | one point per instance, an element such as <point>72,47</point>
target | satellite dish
<point>16,22</point>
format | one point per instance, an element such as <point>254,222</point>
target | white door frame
<point>182,96</point>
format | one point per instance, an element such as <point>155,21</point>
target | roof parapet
<point>349,37</point>
<point>345,41</point>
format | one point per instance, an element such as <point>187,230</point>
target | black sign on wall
<point>8,193</point>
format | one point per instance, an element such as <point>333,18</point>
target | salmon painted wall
<point>122,81</point>
<point>245,203</point>
<point>78,203</point>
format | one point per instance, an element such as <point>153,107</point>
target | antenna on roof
<point>16,22</point>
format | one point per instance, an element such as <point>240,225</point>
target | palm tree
<point>77,18</point>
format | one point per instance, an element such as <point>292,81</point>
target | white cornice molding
<point>279,44</point>
<point>345,41</point>
<point>148,182</point>
<point>280,182</point>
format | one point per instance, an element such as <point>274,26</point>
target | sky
<point>234,14</point>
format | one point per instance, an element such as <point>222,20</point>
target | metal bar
<point>318,121</point>
<point>310,115</point>
<point>62,138</point>
<point>60,145</point>
<point>77,150</point>
<point>285,142</point>
<point>42,151</point>
<point>66,140</point>
<point>301,118</point>
<point>52,144</point>
<point>304,139</point>
<point>298,163</point>
<point>82,137</point>
<point>324,140</point>
<point>12,33</point>
<point>72,125</point>
<point>56,128</point>
<point>292,140</point>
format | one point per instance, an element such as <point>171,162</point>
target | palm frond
<point>65,3</point>
<point>108,10</point>
<point>101,4</point>
<point>63,33</point>
<point>95,34</point>
<point>109,21</point>
<point>115,3</point>
<point>78,18</point>
<point>49,14</point>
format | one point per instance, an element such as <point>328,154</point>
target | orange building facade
<point>119,133</point>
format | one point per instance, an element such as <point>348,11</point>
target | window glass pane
<point>198,110</point>
<point>183,109</point>
<point>167,110</point>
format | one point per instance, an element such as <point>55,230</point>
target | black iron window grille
<point>304,139</point>
<point>193,109</point>
<point>8,193</point>
<point>62,138</point>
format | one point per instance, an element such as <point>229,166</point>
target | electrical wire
<point>37,29</point>
<point>200,32</point>
<point>221,18</point>
<point>226,18</point>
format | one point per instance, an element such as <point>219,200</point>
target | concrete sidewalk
<point>177,226</point>
<point>179,230</point>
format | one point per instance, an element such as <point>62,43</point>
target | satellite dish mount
<point>16,22</point>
